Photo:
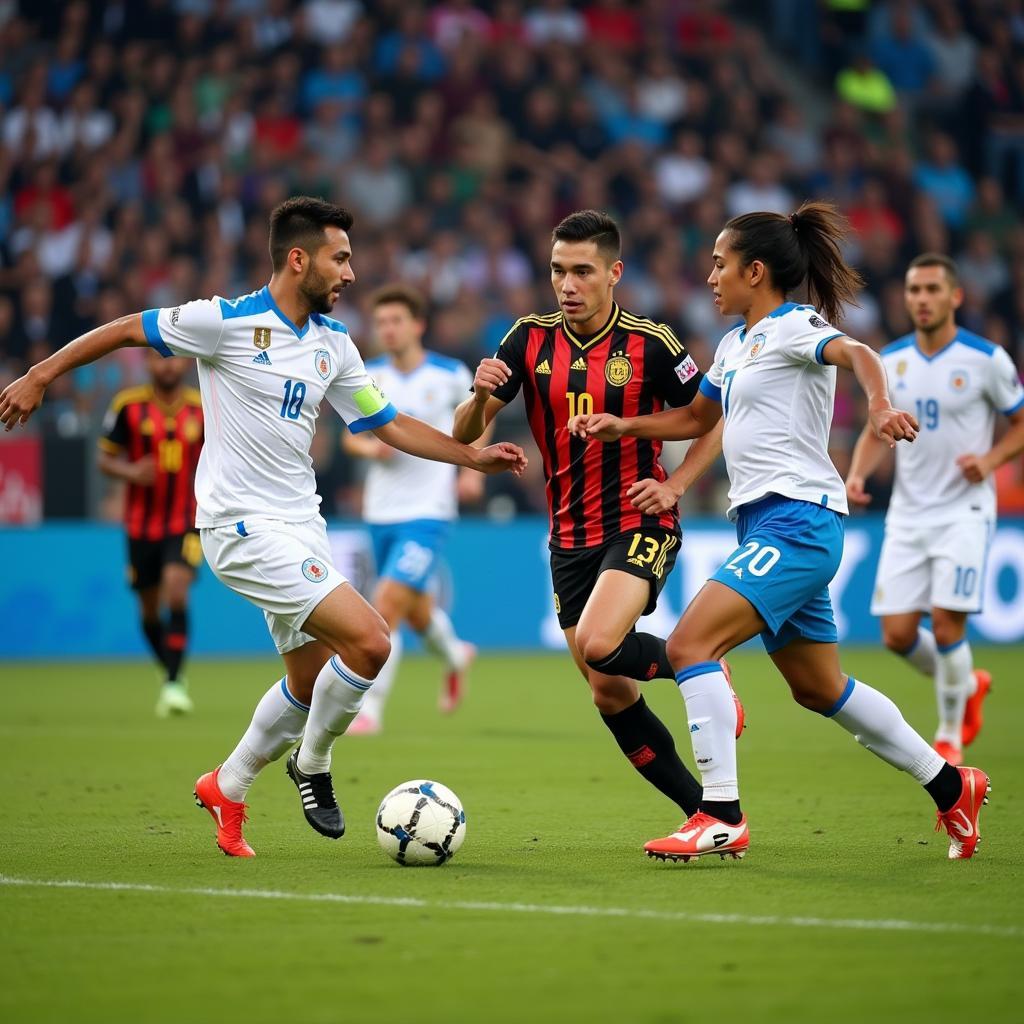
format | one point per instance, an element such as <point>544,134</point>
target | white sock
<point>377,696</point>
<point>337,697</point>
<point>876,723</point>
<point>440,639</point>
<point>711,714</point>
<point>954,683</point>
<point>924,653</point>
<point>276,724</point>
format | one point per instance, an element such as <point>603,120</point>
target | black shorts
<point>147,558</point>
<point>649,554</point>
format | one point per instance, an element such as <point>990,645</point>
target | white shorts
<point>283,568</point>
<point>921,568</point>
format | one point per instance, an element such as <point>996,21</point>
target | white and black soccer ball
<point>421,822</point>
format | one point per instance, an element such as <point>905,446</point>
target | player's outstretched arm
<point>413,436</point>
<point>473,416</point>
<point>888,424</point>
<point>656,496</point>
<point>689,421</point>
<point>976,468</point>
<point>22,397</point>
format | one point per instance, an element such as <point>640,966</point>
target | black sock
<point>724,810</point>
<point>154,632</point>
<point>640,656</point>
<point>946,787</point>
<point>175,642</point>
<point>649,747</point>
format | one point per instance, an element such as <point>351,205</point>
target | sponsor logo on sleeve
<point>816,321</point>
<point>686,369</point>
<point>314,570</point>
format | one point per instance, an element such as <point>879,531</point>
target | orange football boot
<point>229,815</point>
<point>961,820</point>
<point>972,712</point>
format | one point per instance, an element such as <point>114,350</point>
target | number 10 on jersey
<point>294,394</point>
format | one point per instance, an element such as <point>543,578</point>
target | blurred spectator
<point>945,181</point>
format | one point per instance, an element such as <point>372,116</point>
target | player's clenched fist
<point>652,497</point>
<point>893,425</point>
<point>497,458</point>
<point>490,374</point>
<point>602,426</point>
<point>19,400</point>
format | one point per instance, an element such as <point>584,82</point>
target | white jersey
<point>955,395</point>
<point>262,380</point>
<point>777,396</point>
<point>404,487</point>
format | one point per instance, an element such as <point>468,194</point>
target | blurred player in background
<point>152,437</point>
<point>267,361</point>
<point>614,513</point>
<point>943,509</point>
<point>410,503</point>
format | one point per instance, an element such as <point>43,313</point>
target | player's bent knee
<point>373,652</point>
<point>682,651</point>
<point>612,695</point>
<point>899,641</point>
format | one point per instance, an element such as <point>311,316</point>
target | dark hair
<point>403,294</point>
<point>804,245</point>
<point>300,222</point>
<point>591,226</point>
<point>937,259</point>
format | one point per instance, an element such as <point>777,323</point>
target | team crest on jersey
<point>322,362</point>
<point>958,380</point>
<point>901,368</point>
<point>192,431</point>
<point>146,427</point>
<point>261,337</point>
<point>314,570</point>
<point>618,371</point>
<point>757,343</point>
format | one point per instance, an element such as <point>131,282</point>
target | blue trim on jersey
<point>444,362</point>
<point>907,341</point>
<point>288,697</point>
<point>329,322</point>
<point>819,352</point>
<point>975,341</point>
<point>377,362</point>
<point>950,647</point>
<point>244,305</point>
<point>151,327</point>
<point>786,307</point>
<point>356,684</point>
<point>378,419</point>
<point>240,528</point>
<point>1013,408</point>
<point>272,305</point>
<point>709,390</point>
<point>843,698</point>
<point>702,668</point>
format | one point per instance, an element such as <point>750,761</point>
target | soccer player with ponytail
<point>773,380</point>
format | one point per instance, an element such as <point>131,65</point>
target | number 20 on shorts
<point>760,558</point>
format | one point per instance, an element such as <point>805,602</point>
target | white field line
<point>473,906</point>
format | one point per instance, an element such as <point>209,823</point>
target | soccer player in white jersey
<point>773,379</point>
<point>943,507</point>
<point>409,504</point>
<point>266,362</point>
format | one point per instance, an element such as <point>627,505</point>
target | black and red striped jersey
<point>136,425</point>
<point>631,367</point>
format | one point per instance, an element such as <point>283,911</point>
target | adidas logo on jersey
<point>262,359</point>
<point>580,364</point>
<point>543,367</point>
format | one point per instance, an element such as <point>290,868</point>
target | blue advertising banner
<point>64,594</point>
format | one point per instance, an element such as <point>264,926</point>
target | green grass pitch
<point>845,909</point>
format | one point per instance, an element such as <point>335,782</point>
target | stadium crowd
<point>143,144</point>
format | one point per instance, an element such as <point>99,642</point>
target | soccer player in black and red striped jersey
<point>613,510</point>
<point>152,438</point>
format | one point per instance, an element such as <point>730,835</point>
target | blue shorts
<point>408,552</point>
<point>789,551</point>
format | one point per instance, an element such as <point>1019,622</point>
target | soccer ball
<point>421,822</point>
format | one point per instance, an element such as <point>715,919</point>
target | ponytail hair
<point>802,246</point>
